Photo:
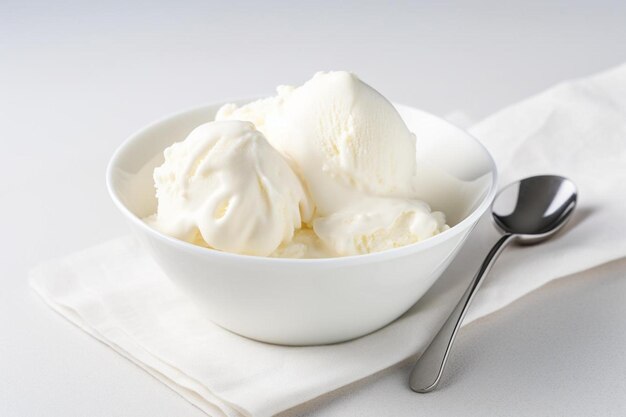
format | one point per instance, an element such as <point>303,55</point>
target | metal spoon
<point>527,212</point>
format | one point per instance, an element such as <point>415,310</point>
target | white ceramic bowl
<point>310,301</point>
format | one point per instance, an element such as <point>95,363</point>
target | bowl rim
<point>468,222</point>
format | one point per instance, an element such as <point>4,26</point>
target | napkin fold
<point>117,294</point>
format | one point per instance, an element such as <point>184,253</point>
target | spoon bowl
<point>534,208</point>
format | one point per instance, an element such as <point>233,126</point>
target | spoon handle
<point>429,367</point>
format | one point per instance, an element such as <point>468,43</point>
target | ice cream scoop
<point>225,187</point>
<point>343,137</point>
<point>375,224</point>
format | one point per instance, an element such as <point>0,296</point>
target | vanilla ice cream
<point>343,137</point>
<point>377,224</point>
<point>305,244</point>
<point>325,169</point>
<point>225,187</point>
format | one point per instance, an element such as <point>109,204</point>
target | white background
<point>77,78</point>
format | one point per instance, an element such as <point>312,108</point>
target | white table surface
<point>76,78</point>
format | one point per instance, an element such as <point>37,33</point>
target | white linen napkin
<point>118,295</point>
